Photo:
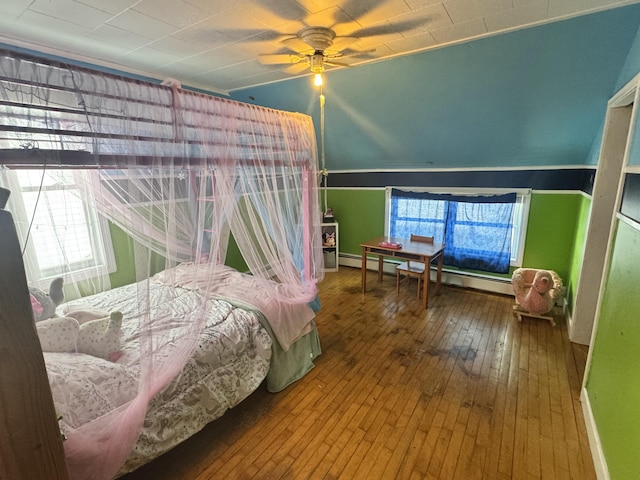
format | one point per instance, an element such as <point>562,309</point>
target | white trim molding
<point>449,277</point>
<point>562,192</point>
<point>568,316</point>
<point>597,454</point>
<point>466,169</point>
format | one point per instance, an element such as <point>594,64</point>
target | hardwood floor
<point>462,391</point>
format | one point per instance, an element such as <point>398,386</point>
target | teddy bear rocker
<point>536,292</point>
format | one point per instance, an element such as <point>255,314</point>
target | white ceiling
<point>215,44</point>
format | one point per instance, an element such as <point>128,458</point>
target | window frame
<point>41,277</point>
<point>521,210</point>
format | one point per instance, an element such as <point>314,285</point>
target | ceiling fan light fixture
<point>316,57</point>
<point>318,80</point>
<point>316,62</point>
<point>320,38</point>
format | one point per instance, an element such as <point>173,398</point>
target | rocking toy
<point>536,292</point>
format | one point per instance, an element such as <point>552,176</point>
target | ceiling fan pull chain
<point>325,172</point>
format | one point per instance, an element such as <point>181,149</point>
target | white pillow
<point>101,337</point>
<point>58,334</point>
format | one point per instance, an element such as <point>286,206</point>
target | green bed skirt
<point>295,363</point>
<point>287,367</point>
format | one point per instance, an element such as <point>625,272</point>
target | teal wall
<point>631,65</point>
<point>629,70</point>
<point>634,153</point>
<point>533,97</point>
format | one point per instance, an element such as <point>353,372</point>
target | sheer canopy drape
<point>178,172</point>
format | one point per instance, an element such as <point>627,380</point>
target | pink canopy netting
<point>179,173</point>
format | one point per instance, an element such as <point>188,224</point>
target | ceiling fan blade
<point>340,43</point>
<point>364,54</point>
<point>388,28</point>
<point>291,11</point>
<point>279,59</point>
<point>358,8</point>
<point>297,45</point>
<point>297,69</point>
<point>336,64</point>
<point>253,35</point>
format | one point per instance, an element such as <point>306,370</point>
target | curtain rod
<point>135,138</point>
<point>31,158</point>
<point>89,112</point>
<point>68,67</point>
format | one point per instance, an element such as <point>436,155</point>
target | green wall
<point>555,234</point>
<point>123,249</point>
<point>234,257</point>
<point>360,214</point>
<point>551,232</point>
<point>582,220</point>
<point>550,240</point>
<point>614,377</point>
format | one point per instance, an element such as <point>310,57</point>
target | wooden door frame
<point>613,157</point>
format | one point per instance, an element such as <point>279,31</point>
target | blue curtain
<point>476,230</point>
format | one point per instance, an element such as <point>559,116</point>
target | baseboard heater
<point>449,277</point>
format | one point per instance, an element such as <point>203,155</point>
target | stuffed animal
<point>83,312</point>
<point>329,239</point>
<point>101,337</point>
<point>98,337</point>
<point>536,291</point>
<point>59,334</point>
<point>43,304</point>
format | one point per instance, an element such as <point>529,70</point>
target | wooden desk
<point>419,251</point>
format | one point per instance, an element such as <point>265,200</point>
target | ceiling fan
<point>314,48</point>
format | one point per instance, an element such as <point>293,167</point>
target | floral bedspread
<point>230,361</point>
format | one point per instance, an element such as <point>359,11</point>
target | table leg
<point>364,269</point>
<point>425,288</point>
<point>439,275</point>
<point>380,268</point>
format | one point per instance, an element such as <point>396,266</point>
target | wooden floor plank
<point>460,391</point>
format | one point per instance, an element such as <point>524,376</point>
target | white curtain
<point>177,171</point>
<point>60,232</point>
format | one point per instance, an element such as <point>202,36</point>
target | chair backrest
<point>420,238</point>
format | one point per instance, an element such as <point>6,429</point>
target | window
<point>480,231</point>
<point>59,229</point>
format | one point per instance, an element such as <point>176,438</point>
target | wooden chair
<point>412,268</point>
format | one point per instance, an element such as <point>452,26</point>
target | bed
<point>247,338</point>
<point>176,174</point>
